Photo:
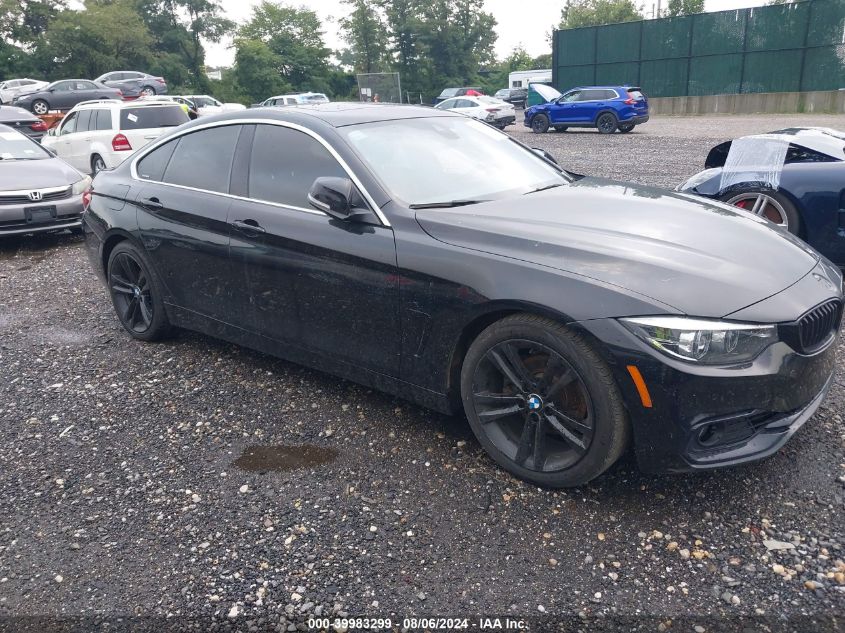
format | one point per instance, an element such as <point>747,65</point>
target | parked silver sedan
<point>38,192</point>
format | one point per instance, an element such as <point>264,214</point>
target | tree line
<point>433,44</point>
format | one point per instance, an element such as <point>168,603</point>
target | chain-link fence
<point>380,87</point>
<point>782,48</point>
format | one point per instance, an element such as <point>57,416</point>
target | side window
<point>152,166</point>
<point>203,159</point>
<point>464,103</point>
<point>83,121</point>
<point>85,85</point>
<point>569,97</point>
<point>610,94</point>
<point>62,86</point>
<point>12,84</point>
<point>69,124</point>
<point>290,100</point>
<point>103,120</point>
<point>285,163</point>
<point>517,84</point>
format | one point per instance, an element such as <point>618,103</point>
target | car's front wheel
<point>40,107</point>
<point>136,294</point>
<point>607,123</point>
<point>772,205</point>
<point>542,402</point>
<point>540,124</point>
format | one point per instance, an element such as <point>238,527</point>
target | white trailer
<point>521,78</point>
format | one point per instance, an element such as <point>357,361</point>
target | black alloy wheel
<point>607,123</point>
<point>540,124</point>
<point>135,294</point>
<point>528,387</point>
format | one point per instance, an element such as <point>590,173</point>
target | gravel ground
<point>152,481</point>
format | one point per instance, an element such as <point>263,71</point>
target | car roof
<point>137,103</point>
<point>336,114</point>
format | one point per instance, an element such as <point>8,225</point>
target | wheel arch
<point>482,318</point>
<point>110,241</point>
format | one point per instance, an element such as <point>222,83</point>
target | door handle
<point>248,226</point>
<point>153,204</point>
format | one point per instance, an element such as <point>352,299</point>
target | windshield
<point>446,159</point>
<point>152,117</point>
<point>15,146</point>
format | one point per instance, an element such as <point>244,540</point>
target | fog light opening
<point>710,434</point>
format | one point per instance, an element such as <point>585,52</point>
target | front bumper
<point>13,217</point>
<point>711,417</point>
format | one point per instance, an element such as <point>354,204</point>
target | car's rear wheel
<point>542,402</point>
<point>606,123</point>
<point>39,106</point>
<point>136,294</point>
<point>561,128</point>
<point>768,204</point>
<point>540,124</point>
<point>148,91</point>
<point>626,127</point>
<point>97,164</point>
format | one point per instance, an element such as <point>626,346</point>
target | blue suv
<point>608,108</point>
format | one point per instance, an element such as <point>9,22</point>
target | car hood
<point>17,175</point>
<point>702,258</point>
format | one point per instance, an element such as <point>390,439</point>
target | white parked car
<point>299,98</point>
<point>11,88</point>
<point>206,105</point>
<point>488,109</point>
<point>97,135</point>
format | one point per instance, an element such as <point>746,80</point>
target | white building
<point>521,78</point>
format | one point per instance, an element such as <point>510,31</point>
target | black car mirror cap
<point>336,197</point>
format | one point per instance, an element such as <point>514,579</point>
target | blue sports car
<point>793,177</point>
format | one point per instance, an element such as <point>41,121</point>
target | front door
<point>325,286</point>
<point>565,110</point>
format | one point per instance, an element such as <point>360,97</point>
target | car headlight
<point>698,179</point>
<point>704,341</point>
<point>80,186</point>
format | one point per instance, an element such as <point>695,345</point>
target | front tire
<point>542,402</point>
<point>767,203</point>
<point>40,107</point>
<point>136,294</point>
<point>540,124</point>
<point>607,123</point>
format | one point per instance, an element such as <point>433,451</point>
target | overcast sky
<point>516,24</point>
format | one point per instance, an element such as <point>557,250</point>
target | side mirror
<point>544,154</point>
<point>51,90</point>
<point>336,197</point>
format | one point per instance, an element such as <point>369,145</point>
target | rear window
<point>152,117</point>
<point>316,98</point>
<point>449,92</point>
<point>636,94</point>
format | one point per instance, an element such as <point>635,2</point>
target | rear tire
<point>540,124</point>
<point>97,164</point>
<point>147,91</point>
<point>136,294</point>
<point>607,123</point>
<point>528,382</point>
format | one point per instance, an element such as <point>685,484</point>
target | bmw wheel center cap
<point>534,402</point>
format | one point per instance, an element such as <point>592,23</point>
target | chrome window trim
<point>133,166</point>
<point>23,192</point>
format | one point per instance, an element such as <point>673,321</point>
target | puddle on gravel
<point>282,458</point>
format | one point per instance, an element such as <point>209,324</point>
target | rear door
<point>182,219</point>
<point>640,101</point>
<point>589,104</point>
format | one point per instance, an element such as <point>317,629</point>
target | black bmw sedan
<point>567,318</point>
